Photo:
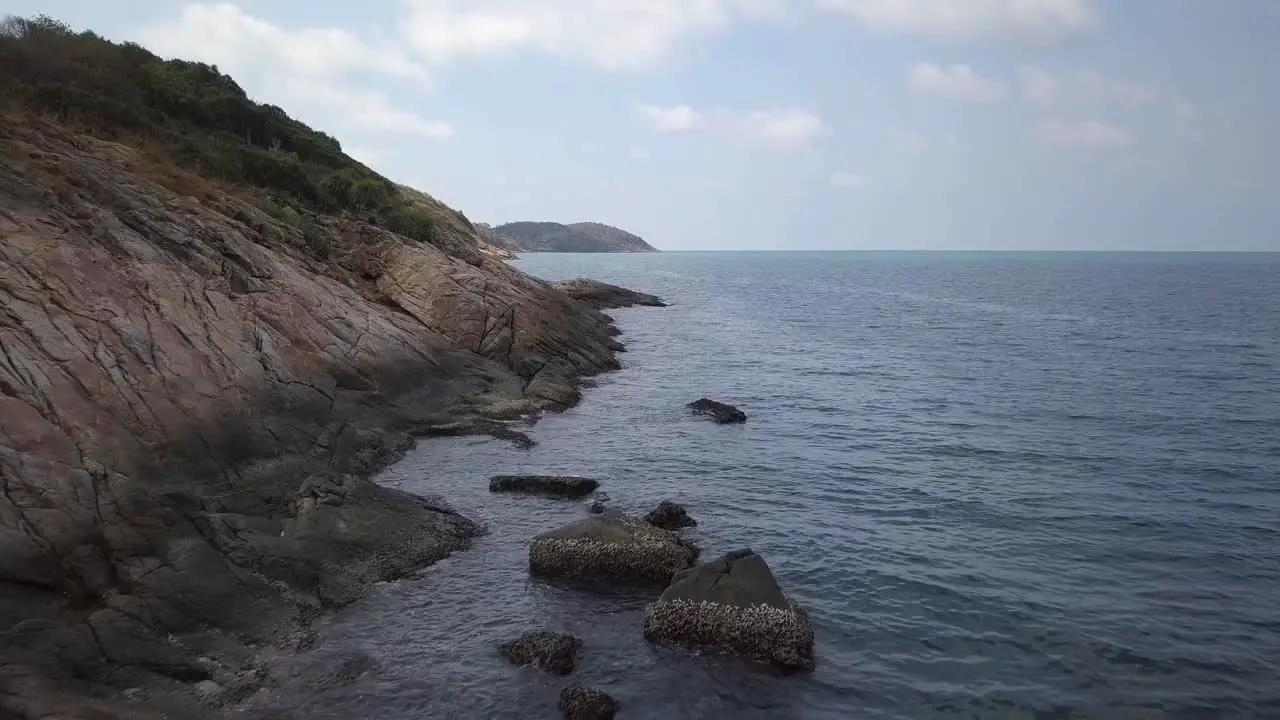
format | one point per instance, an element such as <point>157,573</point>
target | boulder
<point>610,547</point>
<point>718,411</point>
<point>549,651</point>
<point>563,486</point>
<point>733,604</point>
<point>670,516</point>
<point>579,702</point>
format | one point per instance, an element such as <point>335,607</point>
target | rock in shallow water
<point>554,652</point>
<point>603,296</point>
<point>587,703</point>
<point>610,547</point>
<point>565,486</point>
<point>718,411</point>
<point>733,604</point>
<point>670,516</point>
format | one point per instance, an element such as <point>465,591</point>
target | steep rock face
<point>190,401</point>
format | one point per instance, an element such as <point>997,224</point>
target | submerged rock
<point>670,516</point>
<point>565,486</point>
<point>603,296</point>
<point>611,547</point>
<point>579,702</point>
<point>733,604</point>
<point>718,411</point>
<point>554,652</point>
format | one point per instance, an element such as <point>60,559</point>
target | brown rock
<point>587,703</point>
<point>191,403</point>
<point>565,486</point>
<point>603,296</point>
<point>554,652</point>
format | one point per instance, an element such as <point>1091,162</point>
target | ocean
<point>1004,485</point>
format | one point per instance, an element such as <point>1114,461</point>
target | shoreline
<point>388,535</point>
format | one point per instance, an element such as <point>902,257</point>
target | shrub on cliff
<point>195,115</point>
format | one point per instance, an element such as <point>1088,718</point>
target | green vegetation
<point>201,120</point>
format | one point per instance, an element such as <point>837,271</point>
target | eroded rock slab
<point>733,604</point>
<point>670,516</point>
<point>720,412</point>
<point>610,547</point>
<point>562,486</point>
<point>603,296</point>
<point>579,702</point>
<point>553,652</point>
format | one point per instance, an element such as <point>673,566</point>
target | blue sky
<point>780,124</point>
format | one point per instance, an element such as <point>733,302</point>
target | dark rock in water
<point>670,516</point>
<point>611,547</point>
<point>733,604</point>
<point>587,703</point>
<point>564,486</point>
<point>718,411</point>
<point>597,507</point>
<point>515,437</point>
<point>553,652</point>
<point>603,296</point>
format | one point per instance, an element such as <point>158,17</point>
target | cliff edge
<point>214,325</point>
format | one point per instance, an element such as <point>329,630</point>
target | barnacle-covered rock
<point>553,652</point>
<point>733,604</point>
<point>579,702</point>
<point>611,547</point>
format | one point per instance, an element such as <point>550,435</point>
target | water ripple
<point>1004,486</point>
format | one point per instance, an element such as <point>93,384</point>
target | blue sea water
<point>1015,485</point>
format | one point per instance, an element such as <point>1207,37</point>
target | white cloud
<point>612,35</point>
<point>967,19</point>
<point>677,118</point>
<point>1084,86</point>
<point>782,128</point>
<point>788,128</point>
<point>956,81</point>
<point>1091,134</point>
<point>852,181</point>
<point>314,72</point>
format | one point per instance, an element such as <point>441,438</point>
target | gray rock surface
<point>564,486</point>
<point>553,652</point>
<point>579,702</point>
<point>603,296</point>
<point>733,604</point>
<point>191,403</point>
<point>718,411</point>
<point>610,547</point>
<point>670,516</point>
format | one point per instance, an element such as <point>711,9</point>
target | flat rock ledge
<point>722,413</point>
<point>553,652</point>
<point>603,296</point>
<point>610,547</point>
<point>561,486</point>
<point>579,702</point>
<point>733,604</point>
<point>670,516</point>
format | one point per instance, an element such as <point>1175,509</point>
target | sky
<point>779,124</point>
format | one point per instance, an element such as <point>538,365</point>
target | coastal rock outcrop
<point>193,393</point>
<point>670,516</point>
<point>553,652</point>
<point>733,604</point>
<point>564,486</point>
<point>579,702</point>
<point>610,547</point>
<point>603,296</point>
<point>718,411</point>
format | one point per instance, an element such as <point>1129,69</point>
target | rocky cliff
<point>555,237</point>
<point>195,384</point>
